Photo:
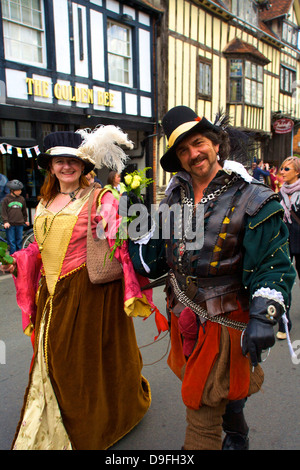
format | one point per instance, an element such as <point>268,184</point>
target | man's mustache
<point>197,160</point>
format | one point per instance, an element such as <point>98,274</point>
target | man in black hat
<point>224,297</point>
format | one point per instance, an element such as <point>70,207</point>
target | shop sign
<point>69,93</point>
<point>283,126</point>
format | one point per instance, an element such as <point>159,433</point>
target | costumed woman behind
<point>290,200</point>
<point>114,184</point>
<point>85,387</point>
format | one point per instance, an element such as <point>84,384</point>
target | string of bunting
<point>29,152</point>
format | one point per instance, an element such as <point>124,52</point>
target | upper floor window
<point>119,48</point>
<point>23,30</point>
<point>289,34</point>
<point>253,83</point>
<point>204,79</point>
<point>287,79</point>
<point>236,79</point>
<point>246,10</point>
<point>246,82</point>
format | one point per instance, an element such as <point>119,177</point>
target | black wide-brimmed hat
<point>64,144</point>
<point>178,123</point>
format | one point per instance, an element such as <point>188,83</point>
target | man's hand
<point>259,334</point>
<point>258,337</point>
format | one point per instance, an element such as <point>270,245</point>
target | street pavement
<point>273,414</point>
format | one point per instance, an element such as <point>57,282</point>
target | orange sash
<point>201,361</point>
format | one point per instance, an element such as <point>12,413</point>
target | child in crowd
<point>14,215</point>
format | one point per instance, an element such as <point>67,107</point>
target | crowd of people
<point>224,297</point>
<point>267,174</point>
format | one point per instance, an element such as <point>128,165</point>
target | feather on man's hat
<point>178,123</point>
<point>97,148</point>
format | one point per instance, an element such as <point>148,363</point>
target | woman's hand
<point>8,268</point>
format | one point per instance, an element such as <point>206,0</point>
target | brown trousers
<point>204,427</point>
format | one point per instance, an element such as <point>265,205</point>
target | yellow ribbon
<point>181,130</point>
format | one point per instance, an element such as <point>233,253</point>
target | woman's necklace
<point>72,194</point>
<point>46,231</point>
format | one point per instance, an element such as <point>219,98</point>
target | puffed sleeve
<point>267,263</point>
<point>26,282</point>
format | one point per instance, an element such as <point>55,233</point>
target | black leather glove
<point>259,334</point>
<point>129,205</point>
<point>127,200</point>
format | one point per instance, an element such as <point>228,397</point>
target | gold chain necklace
<point>46,231</point>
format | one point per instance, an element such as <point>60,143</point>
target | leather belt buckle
<point>191,286</point>
<point>190,279</point>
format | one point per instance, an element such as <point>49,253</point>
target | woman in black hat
<point>228,281</point>
<point>85,389</point>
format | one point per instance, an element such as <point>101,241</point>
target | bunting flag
<point>29,152</point>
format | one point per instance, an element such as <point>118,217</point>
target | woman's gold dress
<point>85,387</point>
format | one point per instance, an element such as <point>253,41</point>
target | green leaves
<point>134,182</point>
<point>5,258</point>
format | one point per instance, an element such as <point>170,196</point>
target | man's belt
<point>205,282</point>
<point>201,312</point>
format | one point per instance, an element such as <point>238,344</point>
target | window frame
<point>206,63</point>
<point>247,10</point>
<point>235,78</point>
<point>128,57</point>
<point>40,30</point>
<point>254,81</point>
<point>290,29</point>
<point>19,129</point>
<point>292,75</point>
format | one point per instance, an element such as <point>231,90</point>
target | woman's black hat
<point>63,144</point>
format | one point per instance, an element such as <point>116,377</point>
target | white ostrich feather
<point>102,145</point>
<point>238,168</point>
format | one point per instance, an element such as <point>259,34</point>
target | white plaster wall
<point>62,35</point>
<point>145,60</point>
<point>97,46</point>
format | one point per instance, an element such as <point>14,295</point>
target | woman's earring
<point>218,157</point>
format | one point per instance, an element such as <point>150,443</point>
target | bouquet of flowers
<point>134,183</point>
<point>4,257</point>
